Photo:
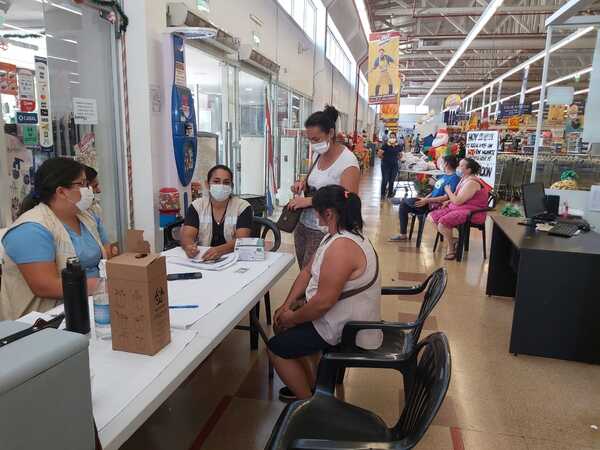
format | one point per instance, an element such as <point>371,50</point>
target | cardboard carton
<point>139,306</point>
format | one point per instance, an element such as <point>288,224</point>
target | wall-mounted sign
<point>30,135</point>
<point>482,146</point>
<point>43,100</point>
<point>183,118</point>
<point>27,117</point>
<point>26,90</point>
<point>383,76</point>
<point>85,111</point>
<point>8,79</point>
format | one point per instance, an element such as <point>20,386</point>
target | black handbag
<point>289,218</point>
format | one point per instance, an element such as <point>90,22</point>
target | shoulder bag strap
<point>353,292</point>
<point>306,187</point>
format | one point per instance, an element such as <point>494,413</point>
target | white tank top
<point>319,178</point>
<point>365,306</point>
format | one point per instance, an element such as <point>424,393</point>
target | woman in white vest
<point>54,225</point>
<point>217,219</point>
<point>344,261</point>
<point>335,165</point>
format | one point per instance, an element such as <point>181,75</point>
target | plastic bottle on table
<point>101,306</point>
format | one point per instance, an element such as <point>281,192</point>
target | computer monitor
<point>534,199</point>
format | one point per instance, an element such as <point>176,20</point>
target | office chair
<point>326,423</point>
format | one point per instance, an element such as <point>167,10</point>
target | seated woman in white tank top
<point>344,261</point>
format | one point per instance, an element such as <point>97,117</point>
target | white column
<point>498,95</point>
<point>540,117</point>
<point>490,100</point>
<point>524,84</point>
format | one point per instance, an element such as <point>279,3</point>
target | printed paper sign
<point>30,135</point>
<point>26,90</point>
<point>43,98</point>
<point>482,146</point>
<point>85,111</point>
<point>8,79</point>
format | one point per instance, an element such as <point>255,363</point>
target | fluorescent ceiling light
<point>70,41</point>
<point>490,10</point>
<point>364,17</point>
<point>570,38</point>
<point>63,59</point>
<point>59,6</point>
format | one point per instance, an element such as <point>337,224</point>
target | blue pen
<point>183,306</point>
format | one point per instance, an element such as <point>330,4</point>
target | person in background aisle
<point>55,225</point>
<point>385,136</point>
<point>333,164</point>
<point>344,261</point>
<point>216,220</point>
<point>421,205</point>
<point>389,153</point>
<point>471,193</point>
<point>92,177</point>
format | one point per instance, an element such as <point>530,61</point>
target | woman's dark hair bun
<point>331,112</point>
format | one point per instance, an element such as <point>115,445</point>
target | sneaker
<point>399,238</point>
<point>286,395</point>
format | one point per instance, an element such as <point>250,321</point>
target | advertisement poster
<point>8,79</point>
<point>43,98</point>
<point>389,115</point>
<point>384,75</point>
<point>85,111</point>
<point>474,121</point>
<point>26,90</point>
<point>556,114</point>
<point>482,146</point>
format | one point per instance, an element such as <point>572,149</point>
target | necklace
<point>212,211</point>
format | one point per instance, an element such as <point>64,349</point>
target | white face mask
<point>220,192</point>
<point>87,198</point>
<point>320,147</point>
<point>459,172</point>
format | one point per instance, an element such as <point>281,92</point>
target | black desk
<point>555,282</point>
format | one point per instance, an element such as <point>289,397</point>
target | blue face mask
<point>459,172</point>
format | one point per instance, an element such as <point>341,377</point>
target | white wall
<point>303,68</point>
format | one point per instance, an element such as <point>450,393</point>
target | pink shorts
<point>452,218</point>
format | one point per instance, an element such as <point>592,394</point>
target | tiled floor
<point>496,401</point>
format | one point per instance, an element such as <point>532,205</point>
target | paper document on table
<point>594,204</point>
<point>119,377</point>
<point>178,256</point>
<point>213,289</point>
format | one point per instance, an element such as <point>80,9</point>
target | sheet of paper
<point>594,202</point>
<point>213,289</point>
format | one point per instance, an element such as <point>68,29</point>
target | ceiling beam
<point>462,11</point>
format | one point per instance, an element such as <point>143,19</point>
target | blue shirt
<point>440,184</point>
<point>31,242</point>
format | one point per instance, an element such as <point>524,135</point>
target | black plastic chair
<point>464,230</point>
<point>422,219</point>
<point>171,234</point>
<point>326,423</point>
<point>261,228</point>
<point>399,339</point>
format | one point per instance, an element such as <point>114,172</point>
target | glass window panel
<point>299,11</point>
<point>309,20</point>
<point>287,5</point>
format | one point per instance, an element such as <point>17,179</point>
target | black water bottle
<point>77,309</point>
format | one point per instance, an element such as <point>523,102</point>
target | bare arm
<point>350,179</point>
<point>440,199</point>
<point>44,280</point>
<point>466,193</point>
<point>188,238</point>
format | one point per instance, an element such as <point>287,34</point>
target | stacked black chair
<point>326,423</point>
<point>171,237</point>
<point>399,339</point>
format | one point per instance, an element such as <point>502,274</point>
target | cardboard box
<point>139,306</point>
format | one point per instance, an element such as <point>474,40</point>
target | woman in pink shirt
<point>471,194</point>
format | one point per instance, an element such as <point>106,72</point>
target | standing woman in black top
<point>389,153</point>
<point>216,219</point>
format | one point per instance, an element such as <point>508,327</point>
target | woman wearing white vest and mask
<point>217,219</point>
<point>335,165</point>
<point>54,224</point>
<point>344,261</point>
